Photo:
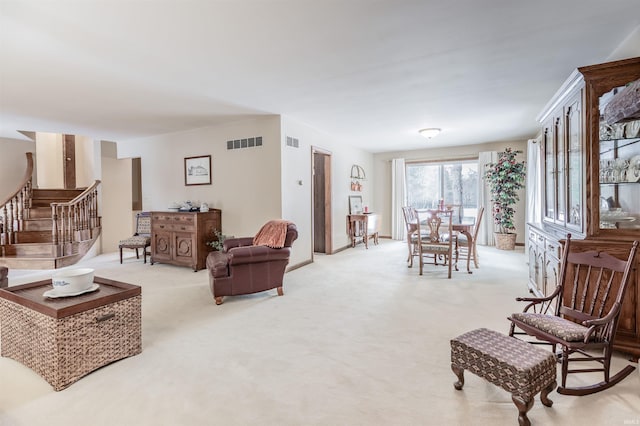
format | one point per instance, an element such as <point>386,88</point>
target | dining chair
<point>410,221</point>
<point>466,248</point>
<point>438,245</point>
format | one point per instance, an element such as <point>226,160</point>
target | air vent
<point>245,143</point>
<point>293,142</point>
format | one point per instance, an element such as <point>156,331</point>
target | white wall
<point>115,207</point>
<point>297,165</point>
<point>49,154</point>
<point>245,182</point>
<point>296,197</point>
<point>251,185</point>
<point>49,170</point>
<point>13,164</point>
<point>382,176</point>
<point>87,160</point>
<point>629,48</point>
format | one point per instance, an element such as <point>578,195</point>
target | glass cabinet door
<point>561,201</point>
<point>550,175</point>
<point>563,167</point>
<point>619,170</point>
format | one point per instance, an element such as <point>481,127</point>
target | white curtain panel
<point>534,181</point>
<point>534,184</point>
<point>398,191</point>
<point>485,233</point>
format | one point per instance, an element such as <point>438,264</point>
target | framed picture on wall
<point>355,204</point>
<point>197,170</point>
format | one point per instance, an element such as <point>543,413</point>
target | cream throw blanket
<point>272,234</point>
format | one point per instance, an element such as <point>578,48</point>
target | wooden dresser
<point>590,181</point>
<point>180,238</point>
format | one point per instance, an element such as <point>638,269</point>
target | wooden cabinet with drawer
<point>180,238</point>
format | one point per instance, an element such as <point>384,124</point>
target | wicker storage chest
<point>67,338</point>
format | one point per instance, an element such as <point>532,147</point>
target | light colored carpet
<point>357,339</point>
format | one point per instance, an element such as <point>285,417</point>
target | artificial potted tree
<point>505,178</point>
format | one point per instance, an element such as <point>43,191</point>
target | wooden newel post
<point>54,223</point>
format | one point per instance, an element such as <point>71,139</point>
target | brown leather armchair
<point>243,268</point>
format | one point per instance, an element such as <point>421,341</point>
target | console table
<point>364,226</point>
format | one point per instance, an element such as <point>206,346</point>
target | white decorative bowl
<point>72,280</point>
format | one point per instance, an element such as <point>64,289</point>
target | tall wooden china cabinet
<point>590,169</point>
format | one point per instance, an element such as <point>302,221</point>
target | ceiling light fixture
<point>430,132</point>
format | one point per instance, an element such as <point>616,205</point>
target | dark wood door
<point>322,202</point>
<point>69,161</point>
<point>318,204</point>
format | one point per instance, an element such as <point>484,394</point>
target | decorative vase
<point>505,241</point>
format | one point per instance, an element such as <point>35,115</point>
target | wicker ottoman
<point>516,366</point>
<point>66,338</point>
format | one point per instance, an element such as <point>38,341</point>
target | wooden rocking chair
<point>582,313</point>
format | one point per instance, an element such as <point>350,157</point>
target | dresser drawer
<point>536,238</point>
<point>177,227</point>
<point>173,218</point>
<point>169,221</point>
<point>553,247</point>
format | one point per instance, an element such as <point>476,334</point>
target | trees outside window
<point>456,182</point>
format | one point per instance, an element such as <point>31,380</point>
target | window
<point>454,181</point>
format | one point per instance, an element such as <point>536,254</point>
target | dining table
<point>466,229</point>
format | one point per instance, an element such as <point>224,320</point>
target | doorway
<point>136,184</point>
<point>321,201</point>
<point>69,161</point>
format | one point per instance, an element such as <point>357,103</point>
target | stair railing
<point>15,208</point>
<point>77,219</point>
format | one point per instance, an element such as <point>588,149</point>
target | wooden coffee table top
<point>31,296</point>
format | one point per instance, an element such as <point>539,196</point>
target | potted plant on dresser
<point>218,243</point>
<point>505,177</point>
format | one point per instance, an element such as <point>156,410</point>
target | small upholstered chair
<point>252,264</point>
<point>142,237</point>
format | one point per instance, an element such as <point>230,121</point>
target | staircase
<point>47,228</point>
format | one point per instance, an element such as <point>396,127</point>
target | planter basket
<point>505,241</point>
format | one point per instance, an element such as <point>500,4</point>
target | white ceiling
<point>369,73</point>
